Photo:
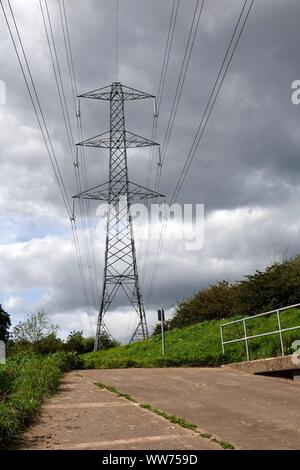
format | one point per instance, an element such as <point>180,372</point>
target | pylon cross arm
<point>104,193</point>
<point>105,93</point>
<point>108,140</point>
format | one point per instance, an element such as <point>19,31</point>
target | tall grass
<point>25,381</point>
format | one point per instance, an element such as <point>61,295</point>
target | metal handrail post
<point>222,339</point>
<point>246,340</point>
<point>280,332</point>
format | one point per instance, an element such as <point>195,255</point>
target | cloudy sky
<point>246,170</point>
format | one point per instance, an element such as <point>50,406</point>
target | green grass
<point>25,381</point>
<point>115,391</point>
<point>199,345</point>
<point>225,445</point>
<point>172,418</point>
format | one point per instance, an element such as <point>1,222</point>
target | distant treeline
<point>277,286</point>
<point>50,344</point>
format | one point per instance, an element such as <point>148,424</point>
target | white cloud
<point>14,305</point>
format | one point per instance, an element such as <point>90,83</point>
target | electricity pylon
<point>120,265</point>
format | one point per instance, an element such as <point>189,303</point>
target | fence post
<point>280,332</point>
<point>161,318</point>
<point>222,339</point>
<point>246,340</point>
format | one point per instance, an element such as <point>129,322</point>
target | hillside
<point>197,345</point>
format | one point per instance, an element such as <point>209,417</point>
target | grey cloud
<point>247,163</point>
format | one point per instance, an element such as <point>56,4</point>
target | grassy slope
<point>198,345</point>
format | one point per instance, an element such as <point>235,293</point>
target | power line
<point>80,264</point>
<point>82,166</point>
<point>181,80</point>
<point>66,117</point>
<point>162,80</point>
<point>170,37</point>
<point>67,42</point>
<point>41,122</point>
<point>177,96</point>
<point>212,99</point>
<point>58,80</point>
<point>203,123</point>
<point>37,108</point>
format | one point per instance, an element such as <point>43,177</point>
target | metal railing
<point>246,338</point>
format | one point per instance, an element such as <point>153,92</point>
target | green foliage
<point>192,346</point>
<point>277,286</point>
<point>25,381</point>
<point>47,345</point>
<point>112,389</point>
<point>34,328</point>
<point>199,345</point>
<point>4,325</point>
<point>68,361</point>
<point>105,342</point>
<point>225,445</point>
<point>217,301</point>
<point>38,334</point>
<point>77,342</point>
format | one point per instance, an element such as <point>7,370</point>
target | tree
<point>77,342</point>
<point>4,325</point>
<point>49,344</point>
<point>35,328</point>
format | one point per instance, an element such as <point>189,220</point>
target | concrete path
<point>83,416</point>
<point>251,412</point>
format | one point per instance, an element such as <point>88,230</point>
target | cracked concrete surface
<point>83,416</point>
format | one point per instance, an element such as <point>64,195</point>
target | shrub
<point>277,286</point>
<point>217,301</point>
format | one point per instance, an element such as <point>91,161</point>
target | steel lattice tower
<point>120,266</point>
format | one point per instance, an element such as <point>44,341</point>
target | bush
<point>47,345</point>
<point>217,301</point>
<point>77,342</point>
<point>68,361</point>
<point>277,286</point>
